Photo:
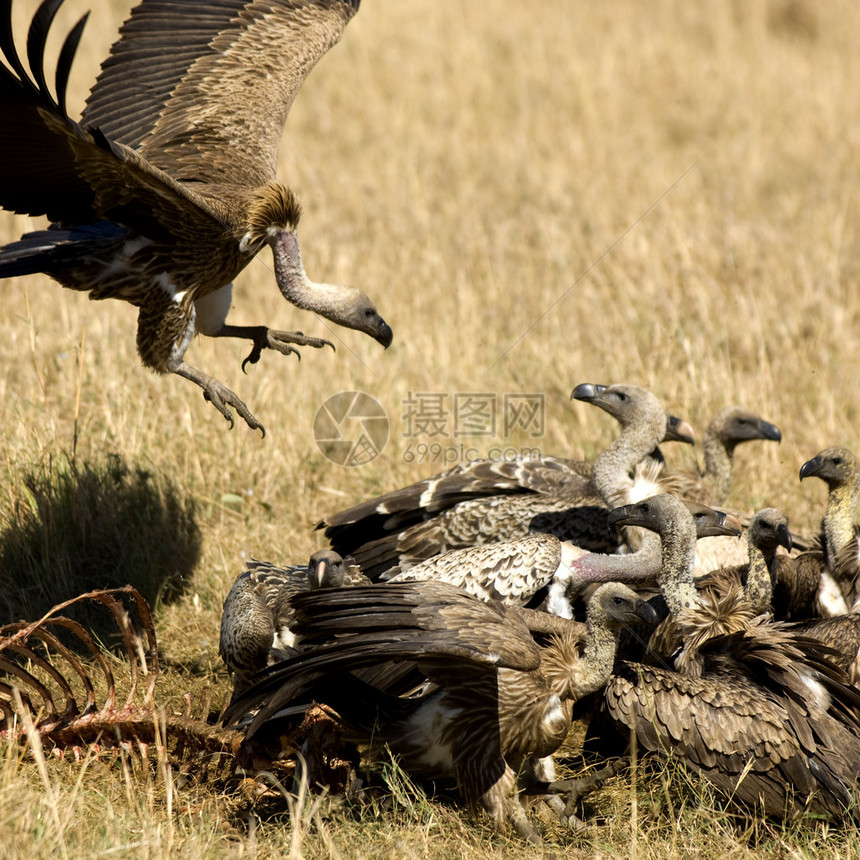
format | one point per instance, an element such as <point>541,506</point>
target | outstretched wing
<point>37,170</point>
<point>50,165</point>
<point>419,619</point>
<point>202,88</point>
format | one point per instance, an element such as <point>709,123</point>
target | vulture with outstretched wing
<point>165,190</point>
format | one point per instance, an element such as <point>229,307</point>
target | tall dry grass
<point>535,195</point>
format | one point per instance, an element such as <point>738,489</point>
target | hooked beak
<point>587,391</point>
<point>730,525</point>
<point>321,569</point>
<point>623,516</point>
<point>678,430</point>
<point>783,536</point>
<point>384,334</point>
<point>646,611</point>
<point>810,467</point>
<point>770,431</point>
<point>713,522</point>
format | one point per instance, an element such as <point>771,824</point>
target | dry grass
<point>535,195</point>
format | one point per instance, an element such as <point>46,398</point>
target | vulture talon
<point>576,789</point>
<point>219,405</point>
<point>298,338</point>
<point>266,338</point>
<point>220,397</point>
<point>253,357</point>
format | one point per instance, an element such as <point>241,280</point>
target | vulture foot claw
<point>222,398</point>
<point>576,789</point>
<point>219,395</point>
<point>281,341</point>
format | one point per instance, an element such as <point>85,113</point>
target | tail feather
<point>55,249</point>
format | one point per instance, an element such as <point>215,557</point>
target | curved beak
<point>770,431</point>
<point>730,525</point>
<point>386,335</point>
<point>713,522</point>
<point>783,536</point>
<point>623,516</point>
<point>646,611</point>
<point>810,467</point>
<point>587,391</point>
<point>321,569</point>
<point>678,430</point>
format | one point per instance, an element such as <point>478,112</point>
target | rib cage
<point>55,705</point>
<point>56,679</point>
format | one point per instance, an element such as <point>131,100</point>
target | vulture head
<point>835,466</point>
<point>769,529</point>
<point>326,569</point>
<point>618,606</point>
<point>343,305</point>
<point>735,425</point>
<point>664,513</point>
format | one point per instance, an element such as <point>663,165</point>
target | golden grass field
<point>535,195</point>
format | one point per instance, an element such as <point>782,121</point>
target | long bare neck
<point>839,517</point>
<point>327,300</point>
<point>572,675</point>
<point>759,587</point>
<point>679,559</point>
<point>612,469</point>
<point>640,566</point>
<point>598,658</point>
<point>718,468</point>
